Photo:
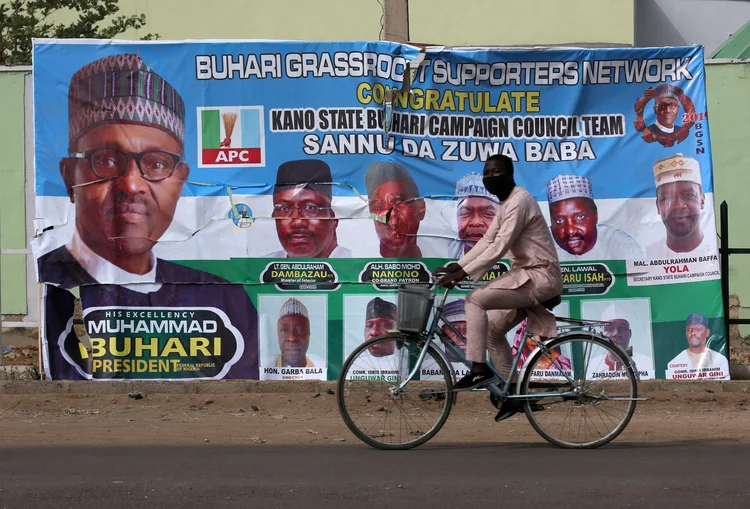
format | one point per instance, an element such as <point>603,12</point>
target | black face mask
<point>500,186</point>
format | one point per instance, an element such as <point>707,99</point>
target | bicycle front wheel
<point>373,407</point>
<point>590,413</point>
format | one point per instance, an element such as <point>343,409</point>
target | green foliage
<point>21,20</point>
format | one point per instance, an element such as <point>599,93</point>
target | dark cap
<point>313,173</point>
<point>696,319</point>
<point>381,172</point>
<point>379,308</point>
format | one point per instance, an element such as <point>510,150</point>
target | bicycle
<point>414,342</point>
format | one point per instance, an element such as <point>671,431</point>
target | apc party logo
<point>231,137</point>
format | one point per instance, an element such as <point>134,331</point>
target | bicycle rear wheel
<point>601,405</point>
<point>372,407</point>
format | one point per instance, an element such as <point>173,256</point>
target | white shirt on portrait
<point>106,272</point>
<point>659,250</point>
<point>338,252</point>
<point>611,244</point>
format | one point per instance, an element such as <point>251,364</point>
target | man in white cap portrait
<point>679,201</point>
<point>474,213</point>
<point>575,225</point>
<point>697,355</point>
<point>666,108</point>
<point>293,333</point>
<point>619,332</point>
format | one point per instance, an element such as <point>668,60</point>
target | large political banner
<point>248,209</point>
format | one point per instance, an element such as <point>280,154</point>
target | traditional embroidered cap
<point>677,168</point>
<point>565,187</point>
<point>614,312</point>
<point>472,185</point>
<point>379,308</point>
<point>455,311</point>
<point>665,90</point>
<point>696,319</point>
<point>122,89</point>
<point>312,173</point>
<point>293,307</point>
<point>381,172</point>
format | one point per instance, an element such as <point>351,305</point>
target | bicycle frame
<point>501,390</point>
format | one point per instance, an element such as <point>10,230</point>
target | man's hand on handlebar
<point>451,274</point>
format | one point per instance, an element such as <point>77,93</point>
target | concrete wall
<point>12,195</point>
<point>687,22</point>
<point>728,89</point>
<point>528,22</point>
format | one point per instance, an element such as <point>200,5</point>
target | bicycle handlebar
<point>438,274</point>
<point>435,277</point>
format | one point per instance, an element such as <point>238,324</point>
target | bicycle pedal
<point>501,416</point>
<point>478,387</point>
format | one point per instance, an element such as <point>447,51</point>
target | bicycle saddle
<point>551,303</point>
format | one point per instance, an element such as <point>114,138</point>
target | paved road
<point>436,476</point>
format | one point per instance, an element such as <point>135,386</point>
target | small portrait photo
<point>367,317</point>
<point>629,329</point>
<point>661,122</point>
<point>700,359</point>
<point>293,334</point>
<point>455,313</point>
<point>547,370</point>
<point>241,215</point>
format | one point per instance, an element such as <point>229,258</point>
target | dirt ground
<point>306,419</point>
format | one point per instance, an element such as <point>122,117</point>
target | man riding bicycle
<point>518,229</point>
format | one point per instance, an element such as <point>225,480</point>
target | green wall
<point>12,195</point>
<point>728,90</point>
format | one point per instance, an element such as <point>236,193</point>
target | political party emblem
<point>231,137</point>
